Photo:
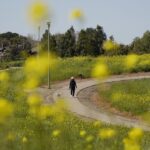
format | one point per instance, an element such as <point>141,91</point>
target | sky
<point>124,19</point>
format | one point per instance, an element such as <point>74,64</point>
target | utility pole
<point>38,48</point>
<point>48,24</point>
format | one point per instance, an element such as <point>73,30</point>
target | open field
<point>33,125</point>
<point>65,68</point>
<point>68,67</point>
<point>57,130</point>
<point>129,96</point>
<point>9,64</point>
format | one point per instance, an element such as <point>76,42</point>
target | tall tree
<point>141,45</point>
<point>70,41</point>
<point>66,43</point>
<point>90,41</point>
<point>52,42</point>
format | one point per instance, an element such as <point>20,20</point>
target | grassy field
<point>9,64</point>
<point>26,123</point>
<point>130,96</point>
<point>66,68</point>
<point>29,127</point>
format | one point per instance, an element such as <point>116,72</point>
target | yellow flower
<point>10,136</point>
<point>107,133</point>
<point>45,111</point>
<point>131,61</point>
<point>100,71</point>
<point>34,100</point>
<point>24,140</point>
<point>6,109</point>
<point>97,124</point>
<point>38,12</point>
<point>76,14</point>
<point>56,133</point>
<point>82,133</point>
<point>89,138</point>
<point>110,45</point>
<point>135,134</point>
<point>131,145</point>
<point>31,83</point>
<point>35,69</point>
<point>4,76</point>
<point>132,142</point>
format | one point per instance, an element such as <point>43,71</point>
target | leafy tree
<point>90,41</point>
<point>70,42</point>
<point>14,45</point>
<point>141,45</point>
<point>65,43</point>
<point>52,42</point>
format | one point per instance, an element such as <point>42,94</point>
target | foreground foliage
<point>27,123</point>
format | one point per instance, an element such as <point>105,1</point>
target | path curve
<point>78,108</point>
<point>61,90</point>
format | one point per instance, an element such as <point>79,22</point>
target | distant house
<point>33,51</point>
<point>2,49</point>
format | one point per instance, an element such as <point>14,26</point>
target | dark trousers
<point>72,91</point>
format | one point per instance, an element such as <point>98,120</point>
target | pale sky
<point>124,19</point>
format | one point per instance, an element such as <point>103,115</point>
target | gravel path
<point>61,90</point>
<point>76,105</point>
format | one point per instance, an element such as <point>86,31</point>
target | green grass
<point>38,133</point>
<point>130,96</point>
<point>68,67</point>
<point>8,64</point>
<point>84,65</point>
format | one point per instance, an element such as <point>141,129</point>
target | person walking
<point>72,86</point>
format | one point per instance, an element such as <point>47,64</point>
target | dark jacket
<point>72,84</point>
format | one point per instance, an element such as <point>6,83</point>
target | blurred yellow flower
<point>110,45</point>
<point>35,69</point>
<point>97,124</point>
<point>130,145</point>
<point>132,142</point>
<point>38,12</point>
<point>31,83</point>
<point>24,139</point>
<point>56,133</point>
<point>82,133</point>
<point>45,111</point>
<point>34,100</point>
<point>135,134</point>
<point>77,14</point>
<point>131,61</point>
<point>89,138</point>
<point>10,136</point>
<point>100,71</point>
<point>107,133</point>
<point>6,109</point>
<point>4,76</point>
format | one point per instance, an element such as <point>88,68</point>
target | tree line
<point>90,42</point>
<point>14,46</point>
<point>87,42</point>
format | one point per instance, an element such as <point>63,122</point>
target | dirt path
<point>61,90</point>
